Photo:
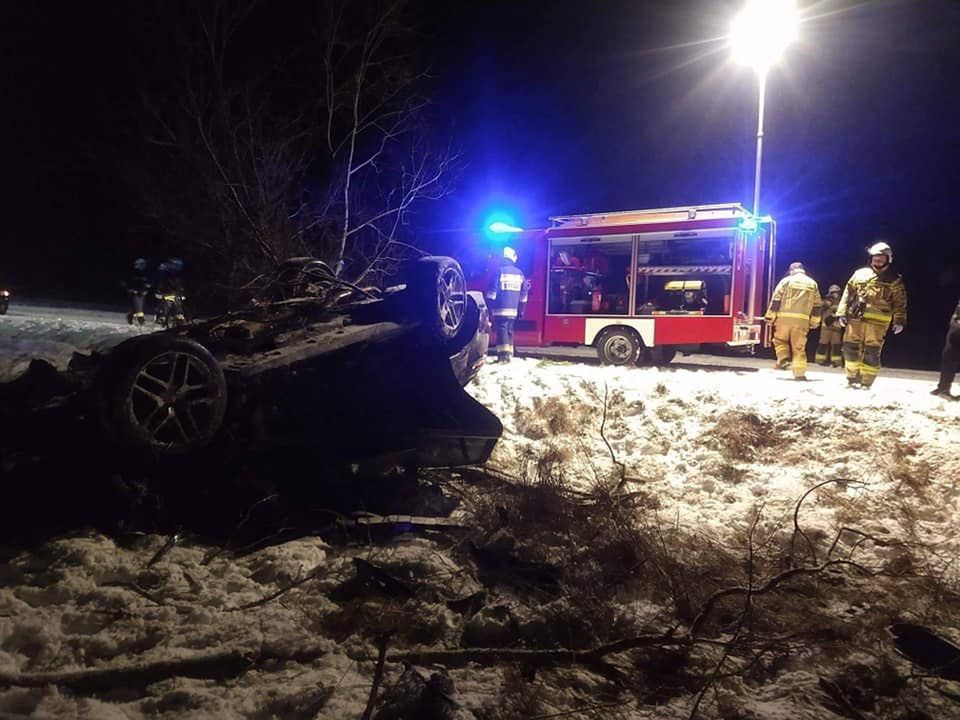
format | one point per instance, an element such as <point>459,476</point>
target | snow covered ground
<point>717,456</point>
<point>679,434</point>
<point>53,336</point>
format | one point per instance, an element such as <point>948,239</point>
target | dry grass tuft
<point>906,469</point>
<point>549,417</point>
<point>741,434</point>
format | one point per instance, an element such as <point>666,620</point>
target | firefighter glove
<point>842,321</point>
<point>897,328</point>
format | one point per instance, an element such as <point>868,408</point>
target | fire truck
<point>641,285</point>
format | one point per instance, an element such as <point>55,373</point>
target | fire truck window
<point>684,276</point>
<point>589,278</point>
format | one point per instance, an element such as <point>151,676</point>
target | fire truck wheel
<point>618,346</point>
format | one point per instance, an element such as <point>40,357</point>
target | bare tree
<point>378,143</point>
<point>322,148</point>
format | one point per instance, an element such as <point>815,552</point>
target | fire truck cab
<point>641,284</point>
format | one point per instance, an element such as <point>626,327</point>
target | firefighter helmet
<point>796,267</point>
<point>510,254</point>
<point>881,248</point>
<point>834,290</point>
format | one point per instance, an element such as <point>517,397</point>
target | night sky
<point>558,107</point>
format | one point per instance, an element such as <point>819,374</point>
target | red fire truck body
<point>640,284</point>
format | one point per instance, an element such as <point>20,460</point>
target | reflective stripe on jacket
<point>796,301</point>
<point>882,295</point>
<point>507,291</point>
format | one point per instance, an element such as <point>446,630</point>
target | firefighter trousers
<point>503,327</point>
<point>862,344</point>
<point>950,359</point>
<point>136,314</point>
<point>790,344</point>
<point>828,349</point>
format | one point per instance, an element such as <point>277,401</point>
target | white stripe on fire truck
<point>683,269</point>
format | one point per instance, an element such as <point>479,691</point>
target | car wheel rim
<point>173,401</point>
<point>452,299</point>
<point>619,349</point>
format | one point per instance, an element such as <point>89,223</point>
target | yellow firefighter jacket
<point>878,298</point>
<point>796,301</point>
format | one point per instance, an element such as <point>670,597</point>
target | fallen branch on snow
<point>313,574</point>
<point>220,665</point>
<point>493,656</point>
<point>796,517</point>
<point>770,585</point>
<point>747,604</point>
<point>382,642</point>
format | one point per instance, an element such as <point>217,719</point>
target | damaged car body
<point>367,377</point>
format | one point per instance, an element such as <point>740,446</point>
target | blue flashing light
<point>499,227</point>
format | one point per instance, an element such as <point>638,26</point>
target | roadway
<point>39,309</point>
<point>702,361</point>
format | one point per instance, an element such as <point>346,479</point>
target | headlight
<point>4,293</point>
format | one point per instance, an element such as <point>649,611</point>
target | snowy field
<point>54,337</point>
<point>678,434</point>
<point>690,475</point>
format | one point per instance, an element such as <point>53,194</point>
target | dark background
<point>558,107</point>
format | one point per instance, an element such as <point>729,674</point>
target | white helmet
<point>834,290</point>
<point>510,254</point>
<point>881,248</point>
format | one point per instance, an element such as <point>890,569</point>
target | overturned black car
<point>354,375</point>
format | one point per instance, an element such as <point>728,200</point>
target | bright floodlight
<point>762,31</point>
<point>502,227</point>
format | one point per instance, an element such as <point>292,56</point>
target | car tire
<point>166,395</point>
<point>439,291</point>
<point>619,346</point>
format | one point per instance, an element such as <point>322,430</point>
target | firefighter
<point>950,359</point>
<point>873,301</point>
<point>137,287</point>
<point>831,334</point>
<point>794,311</point>
<point>169,293</point>
<point>507,294</point>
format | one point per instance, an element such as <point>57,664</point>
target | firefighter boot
<point>821,357</point>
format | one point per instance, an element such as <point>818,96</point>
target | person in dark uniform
<point>507,294</point>
<point>137,286</point>
<point>950,359</point>
<point>170,294</point>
